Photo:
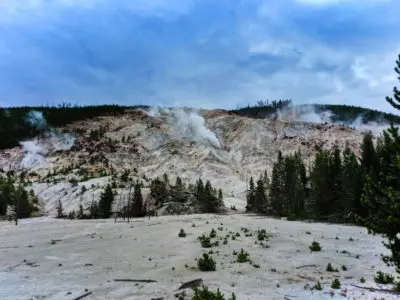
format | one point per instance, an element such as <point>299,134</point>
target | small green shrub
<point>315,246</point>
<point>206,263</point>
<point>233,238</point>
<point>344,268</point>
<point>237,234</point>
<point>205,294</point>
<point>225,242</point>
<point>308,232</point>
<point>383,278</point>
<point>243,256</point>
<point>205,241</point>
<point>257,266</point>
<point>182,233</point>
<point>233,207</point>
<point>262,235</point>
<point>317,286</point>
<point>362,280</point>
<point>351,239</point>
<point>213,233</point>
<point>335,284</point>
<point>397,286</point>
<point>329,268</point>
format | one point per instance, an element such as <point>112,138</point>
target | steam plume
<point>36,149</point>
<point>187,125</point>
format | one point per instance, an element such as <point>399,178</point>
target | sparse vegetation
<point>206,263</point>
<point>182,233</point>
<point>329,268</point>
<point>205,294</point>
<point>315,246</point>
<point>317,286</point>
<point>213,233</point>
<point>205,241</point>
<point>336,284</point>
<point>383,278</point>
<point>362,280</point>
<point>243,256</point>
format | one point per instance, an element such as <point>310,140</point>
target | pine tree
<point>209,201</point>
<point>260,199</point>
<point>250,196</point>
<point>159,191</point>
<point>137,207</point>
<point>352,183</point>
<point>368,154</point>
<point>24,206</point>
<point>382,194</point>
<point>81,213</point>
<point>220,196</point>
<point>60,210</point>
<point>335,181</point>
<point>320,188</point>
<point>105,203</point>
<point>276,191</point>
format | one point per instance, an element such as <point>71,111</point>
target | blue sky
<point>208,53</point>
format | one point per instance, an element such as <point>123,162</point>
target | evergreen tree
<point>352,183</point>
<point>260,199</point>
<point>105,203</point>
<point>220,196</point>
<point>250,196</point>
<point>335,181</point>
<point>320,188</point>
<point>60,210</point>
<point>159,191</point>
<point>24,206</point>
<point>137,207</point>
<point>368,154</point>
<point>382,194</point>
<point>81,213</point>
<point>207,198</point>
<point>276,192</point>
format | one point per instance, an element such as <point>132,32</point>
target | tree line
<point>203,198</point>
<point>329,189</point>
<point>15,125</point>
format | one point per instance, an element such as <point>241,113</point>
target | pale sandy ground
<point>148,249</point>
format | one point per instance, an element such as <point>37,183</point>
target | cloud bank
<point>198,53</point>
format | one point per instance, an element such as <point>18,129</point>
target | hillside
<point>213,145</point>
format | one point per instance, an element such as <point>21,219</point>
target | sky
<point>208,53</point>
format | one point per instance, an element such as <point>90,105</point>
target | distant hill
<point>15,125</point>
<point>340,113</point>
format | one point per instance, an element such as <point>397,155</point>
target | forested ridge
<point>340,113</point>
<point>14,126</point>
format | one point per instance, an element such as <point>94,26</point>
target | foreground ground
<point>59,259</point>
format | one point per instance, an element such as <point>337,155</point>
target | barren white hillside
<point>213,145</point>
<point>61,259</point>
